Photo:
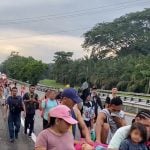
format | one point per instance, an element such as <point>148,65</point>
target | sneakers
<point>16,136</point>
<point>29,135</point>
<point>25,133</point>
<point>12,140</point>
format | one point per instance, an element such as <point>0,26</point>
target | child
<point>88,111</point>
<point>136,138</point>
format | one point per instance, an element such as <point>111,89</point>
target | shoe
<point>12,140</point>
<point>16,136</point>
<point>29,135</point>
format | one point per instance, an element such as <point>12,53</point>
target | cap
<point>72,94</point>
<point>63,112</point>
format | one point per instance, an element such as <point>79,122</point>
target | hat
<point>63,112</point>
<point>72,94</point>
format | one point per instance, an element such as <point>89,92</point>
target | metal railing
<point>129,101</point>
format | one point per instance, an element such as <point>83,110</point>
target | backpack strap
<point>106,114</point>
<point>73,126</point>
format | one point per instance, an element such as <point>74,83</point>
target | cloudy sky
<point>39,28</point>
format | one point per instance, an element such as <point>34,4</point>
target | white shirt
<point>118,137</point>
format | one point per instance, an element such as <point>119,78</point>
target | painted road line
<point>33,136</point>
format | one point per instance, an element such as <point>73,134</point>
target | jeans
<point>29,123</point>
<point>14,121</point>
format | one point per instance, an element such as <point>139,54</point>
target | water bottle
<point>93,135</point>
<point>100,148</point>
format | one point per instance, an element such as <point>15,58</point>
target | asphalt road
<point>25,143</point>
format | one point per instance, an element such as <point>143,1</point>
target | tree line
<point>25,69</point>
<point>119,56</point>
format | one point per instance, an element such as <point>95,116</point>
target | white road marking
<point>33,136</point>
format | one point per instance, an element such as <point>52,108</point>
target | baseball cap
<point>63,112</point>
<point>72,94</point>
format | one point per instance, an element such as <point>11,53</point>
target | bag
<point>15,106</point>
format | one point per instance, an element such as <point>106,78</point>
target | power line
<point>57,32</point>
<point>62,31</point>
<point>69,14</point>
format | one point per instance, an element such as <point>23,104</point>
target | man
<point>111,96</point>
<point>15,105</point>
<point>70,98</point>
<point>109,120</point>
<point>142,117</point>
<point>31,103</point>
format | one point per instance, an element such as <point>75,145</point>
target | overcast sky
<point>39,28</point>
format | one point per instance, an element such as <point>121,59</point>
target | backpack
<point>36,105</point>
<point>15,106</point>
<point>46,101</point>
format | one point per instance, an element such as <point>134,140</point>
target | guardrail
<point>126,93</point>
<point>131,104</point>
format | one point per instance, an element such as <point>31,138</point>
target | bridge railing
<point>130,102</point>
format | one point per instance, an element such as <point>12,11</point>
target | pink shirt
<point>52,141</point>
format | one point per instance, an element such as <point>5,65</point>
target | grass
<point>51,83</point>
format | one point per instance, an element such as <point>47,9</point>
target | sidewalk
<point>22,143</point>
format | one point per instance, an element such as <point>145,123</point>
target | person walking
<point>31,103</point>
<point>47,105</point>
<point>15,105</point>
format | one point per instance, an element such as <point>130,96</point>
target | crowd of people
<point>75,120</point>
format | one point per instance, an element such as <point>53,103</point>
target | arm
<point>5,111</point>
<point>35,99</point>
<point>41,142</point>
<point>40,148</point>
<point>43,104</point>
<point>24,108</point>
<point>99,123</point>
<point>118,137</point>
<point>26,99</point>
<point>83,126</point>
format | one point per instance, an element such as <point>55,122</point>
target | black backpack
<point>15,104</point>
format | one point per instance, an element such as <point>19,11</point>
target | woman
<point>47,105</point>
<point>23,89</point>
<point>57,135</point>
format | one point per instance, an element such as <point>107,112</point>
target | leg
<point>17,125</point>
<point>26,124</point>
<point>11,126</point>
<point>105,132</point>
<point>31,122</point>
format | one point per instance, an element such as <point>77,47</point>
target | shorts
<point>88,123</point>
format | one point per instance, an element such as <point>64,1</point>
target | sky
<point>39,28</point>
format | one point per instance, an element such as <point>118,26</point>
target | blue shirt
<point>47,105</point>
<point>127,144</point>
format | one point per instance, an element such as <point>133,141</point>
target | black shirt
<point>30,106</point>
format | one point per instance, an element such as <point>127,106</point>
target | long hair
<point>51,122</point>
<point>142,130</point>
